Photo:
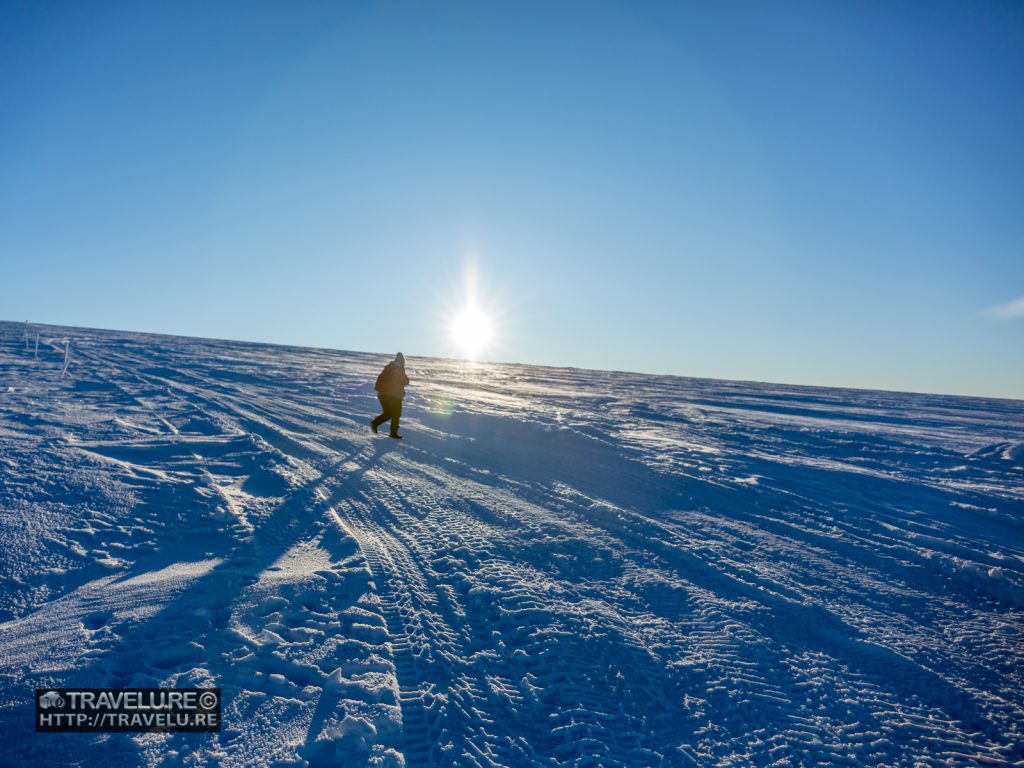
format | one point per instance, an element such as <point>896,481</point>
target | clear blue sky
<point>819,192</point>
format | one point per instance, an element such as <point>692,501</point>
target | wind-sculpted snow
<point>555,568</point>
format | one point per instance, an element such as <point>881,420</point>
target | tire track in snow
<point>443,701</point>
<point>504,624</point>
<point>766,615</point>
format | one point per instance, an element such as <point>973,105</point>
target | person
<point>390,388</point>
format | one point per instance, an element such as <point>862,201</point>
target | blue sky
<point>819,193</point>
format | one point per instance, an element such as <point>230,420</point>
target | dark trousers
<point>392,407</point>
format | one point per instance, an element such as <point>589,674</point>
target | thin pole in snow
<point>67,356</point>
<point>37,347</point>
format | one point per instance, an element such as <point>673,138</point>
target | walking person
<point>390,388</point>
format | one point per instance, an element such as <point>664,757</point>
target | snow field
<point>556,567</point>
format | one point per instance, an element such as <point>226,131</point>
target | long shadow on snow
<point>298,518</point>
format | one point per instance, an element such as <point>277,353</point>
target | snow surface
<point>555,567</point>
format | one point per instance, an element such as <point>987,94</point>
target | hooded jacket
<point>392,380</point>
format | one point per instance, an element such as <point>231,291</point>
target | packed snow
<point>556,567</point>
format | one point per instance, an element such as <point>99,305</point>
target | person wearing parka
<point>390,386</point>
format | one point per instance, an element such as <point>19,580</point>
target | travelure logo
<point>127,710</point>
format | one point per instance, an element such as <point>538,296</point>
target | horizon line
<point>29,323</point>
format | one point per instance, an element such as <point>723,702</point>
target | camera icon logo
<point>51,700</point>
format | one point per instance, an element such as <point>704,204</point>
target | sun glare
<point>472,332</point>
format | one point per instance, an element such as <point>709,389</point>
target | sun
<point>473,319</point>
<point>472,332</point>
